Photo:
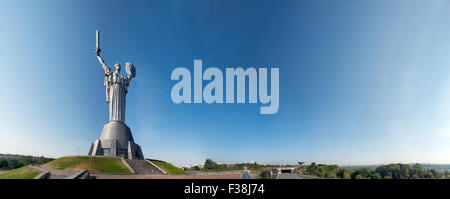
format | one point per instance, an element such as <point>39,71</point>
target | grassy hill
<point>167,167</point>
<point>25,172</point>
<point>93,164</point>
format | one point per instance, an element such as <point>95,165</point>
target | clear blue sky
<point>360,82</point>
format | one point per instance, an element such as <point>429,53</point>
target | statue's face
<point>117,67</point>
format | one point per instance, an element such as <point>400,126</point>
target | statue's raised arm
<point>105,67</point>
<point>100,59</point>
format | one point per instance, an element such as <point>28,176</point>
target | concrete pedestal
<point>116,140</point>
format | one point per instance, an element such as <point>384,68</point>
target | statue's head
<point>117,67</point>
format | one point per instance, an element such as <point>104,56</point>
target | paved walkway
<point>54,173</point>
<point>61,174</point>
<point>189,176</point>
<point>288,176</point>
<point>247,175</point>
<point>3,171</point>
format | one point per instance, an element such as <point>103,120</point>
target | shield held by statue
<point>130,69</point>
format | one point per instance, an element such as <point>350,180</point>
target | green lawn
<point>168,168</point>
<point>93,164</point>
<point>25,172</point>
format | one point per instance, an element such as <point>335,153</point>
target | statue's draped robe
<point>116,90</point>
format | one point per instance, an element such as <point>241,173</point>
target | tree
<point>311,169</point>
<point>376,176</point>
<point>265,174</point>
<point>346,175</point>
<point>404,171</point>
<point>14,163</point>
<point>362,173</point>
<point>428,174</point>
<point>3,163</point>
<point>359,176</point>
<point>435,173</point>
<point>209,164</point>
<point>330,175</point>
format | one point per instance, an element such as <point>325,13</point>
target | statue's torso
<point>116,78</point>
<point>117,90</point>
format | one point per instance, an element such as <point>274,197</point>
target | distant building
<point>285,170</point>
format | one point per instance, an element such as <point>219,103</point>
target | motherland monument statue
<point>116,138</point>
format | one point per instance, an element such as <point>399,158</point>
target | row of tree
<point>20,161</point>
<point>214,166</point>
<point>390,171</point>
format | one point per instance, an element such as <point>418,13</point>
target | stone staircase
<point>143,167</point>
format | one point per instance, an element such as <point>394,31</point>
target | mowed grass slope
<point>25,172</point>
<point>167,167</point>
<point>93,164</point>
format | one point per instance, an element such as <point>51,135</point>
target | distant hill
<point>2,155</point>
<point>438,167</point>
<point>372,166</point>
<point>13,161</point>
